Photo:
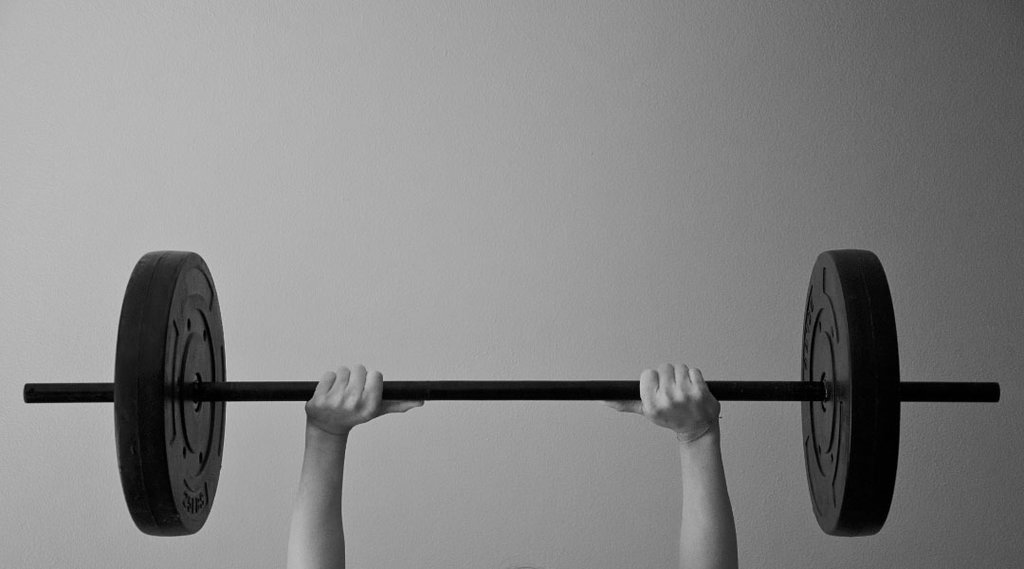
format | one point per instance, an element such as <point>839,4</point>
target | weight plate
<point>169,448</point>
<point>851,441</point>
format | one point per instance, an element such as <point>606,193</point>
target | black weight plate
<point>169,448</point>
<point>851,441</point>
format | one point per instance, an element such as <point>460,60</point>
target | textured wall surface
<point>504,190</point>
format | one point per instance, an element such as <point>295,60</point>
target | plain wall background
<point>506,190</point>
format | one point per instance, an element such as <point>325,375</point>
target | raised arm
<point>317,538</point>
<point>707,535</point>
<point>678,399</point>
<point>341,401</point>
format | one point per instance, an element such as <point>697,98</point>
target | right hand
<point>347,398</point>
<point>677,399</point>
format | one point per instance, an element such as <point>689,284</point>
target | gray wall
<point>504,191</point>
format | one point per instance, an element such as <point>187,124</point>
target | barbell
<point>169,392</point>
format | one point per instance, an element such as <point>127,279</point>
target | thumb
<point>625,406</point>
<point>400,406</point>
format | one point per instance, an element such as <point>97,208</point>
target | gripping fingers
<point>354,391</point>
<point>682,379</point>
<point>340,384</point>
<point>373,391</point>
<point>667,379</point>
<point>325,384</point>
<point>348,398</point>
<point>648,390</point>
<point>697,380</point>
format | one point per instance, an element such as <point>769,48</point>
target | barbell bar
<point>169,392</point>
<point>516,390</point>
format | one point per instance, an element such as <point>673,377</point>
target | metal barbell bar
<point>515,390</point>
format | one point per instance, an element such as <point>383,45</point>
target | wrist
<point>317,436</point>
<point>707,433</point>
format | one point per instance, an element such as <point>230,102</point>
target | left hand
<point>348,398</point>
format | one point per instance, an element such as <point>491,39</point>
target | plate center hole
<point>198,379</point>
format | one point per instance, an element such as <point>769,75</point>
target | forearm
<point>316,539</point>
<point>707,536</point>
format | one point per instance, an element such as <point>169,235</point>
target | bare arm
<point>341,401</point>
<point>678,399</point>
<point>317,538</point>
<point>707,536</point>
